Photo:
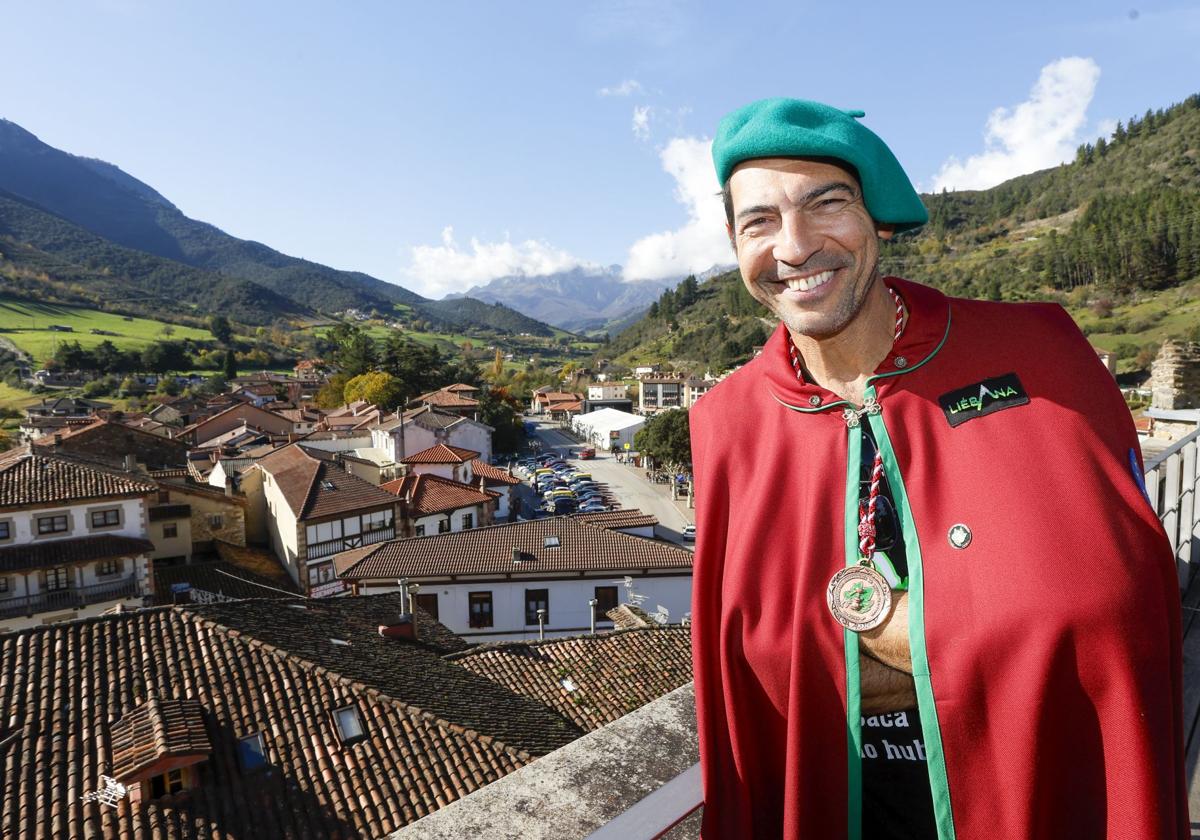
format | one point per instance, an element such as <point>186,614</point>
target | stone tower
<point>1175,376</point>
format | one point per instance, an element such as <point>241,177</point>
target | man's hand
<point>888,643</point>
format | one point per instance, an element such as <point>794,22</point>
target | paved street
<point>627,485</point>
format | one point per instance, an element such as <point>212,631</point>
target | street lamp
<point>541,613</point>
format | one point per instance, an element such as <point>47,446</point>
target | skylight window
<point>327,484</point>
<point>343,642</point>
<point>551,542</point>
<point>349,724</point>
<point>252,751</point>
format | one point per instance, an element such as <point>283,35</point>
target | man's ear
<point>732,239</point>
<point>885,231</point>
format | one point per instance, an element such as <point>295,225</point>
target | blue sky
<point>440,145</point>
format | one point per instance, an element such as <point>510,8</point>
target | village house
<point>236,419</point>
<point>451,462</point>
<point>73,538</point>
<point>490,583</point>
<point>116,445</point>
<point>457,399</point>
<point>309,508</point>
<point>500,481</point>
<point>436,505</point>
<point>419,429</point>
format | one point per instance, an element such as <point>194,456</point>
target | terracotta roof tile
<point>582,546</point>
<point>29,477</point>
<point>313,486</point>
<point>447,399</point>
<point>155,730</point>
<point>434,730</point>
<point>442,454</point>
<point>493,475</point>
<point>430,494</point>
<point>591,680</point>
<point>39,555</point>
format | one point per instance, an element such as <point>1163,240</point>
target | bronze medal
<point>859,597</point>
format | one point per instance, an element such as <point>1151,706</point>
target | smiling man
<point>930,599</point>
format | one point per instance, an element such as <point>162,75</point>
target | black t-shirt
<point>897,800</point>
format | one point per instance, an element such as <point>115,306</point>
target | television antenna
<point>110,793</point>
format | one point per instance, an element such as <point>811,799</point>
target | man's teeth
<point>803,284</point>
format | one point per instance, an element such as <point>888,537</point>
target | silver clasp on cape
<point>853,416</point>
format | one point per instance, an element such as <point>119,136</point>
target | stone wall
<point>1175,376</point>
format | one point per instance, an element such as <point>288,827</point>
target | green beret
<point>782,128</point>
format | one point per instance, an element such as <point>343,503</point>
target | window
<point>428,602</point>
<point>106,518</point>
<point>108,567</point>
<point>170,531</point>
<point>4,588</point>
<point>349,724</point>
<point>252,752</point>
<point>444,525</point>
<point>468,521</point>
<point>320,574</point>
<point>166,784</point>
<point>536,599</point>
<point>216,520</point>
<point>56,579</point>
<point>480,605</point>
<point>52,524</point>
<point>606,599</point>
<point>5,530</point>
<point>419,531</point>
<point>377,521</point>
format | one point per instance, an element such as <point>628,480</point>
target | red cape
<point>1046,653</point>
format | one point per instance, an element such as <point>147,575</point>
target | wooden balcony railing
<point>70,598</point>
<point>317,551</point>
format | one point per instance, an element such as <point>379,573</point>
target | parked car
<point>689,532</point>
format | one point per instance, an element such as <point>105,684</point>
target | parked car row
<point>562,487</point>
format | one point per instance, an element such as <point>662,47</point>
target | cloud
<point>627,88</point>
<point>1041,132</point>
<point>701,242</point>
<point>439,269</point>
<point>641,122</point>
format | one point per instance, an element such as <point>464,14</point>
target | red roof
<point>493,475</point>
<point>313,486</point>
<point>442,454</point>
<point>430,494</point>
<point>447,399</point>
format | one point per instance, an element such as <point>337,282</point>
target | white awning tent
<point>607,428</point>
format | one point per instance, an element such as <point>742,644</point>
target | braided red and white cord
<point>896,337</point>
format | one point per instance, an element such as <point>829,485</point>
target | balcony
<point>71,598</point>
<point>320,550</point>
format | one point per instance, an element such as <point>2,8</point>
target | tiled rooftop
<point>448,399</point>
<point>494,475</point>
<point>221,578</point>
<point>33,477</point>
<point>430,494</point>
<point>315,487</point>
<point>582,546</point>
<point>16,558</point>
<point>155,730</point>
<point>434,731</point>
<point>442,453</point>
<point>591,680</point>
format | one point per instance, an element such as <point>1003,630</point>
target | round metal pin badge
<point>859,597</point>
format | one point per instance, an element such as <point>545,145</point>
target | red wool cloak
<point>1046,653</point>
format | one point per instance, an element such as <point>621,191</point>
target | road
<point>627,485</point>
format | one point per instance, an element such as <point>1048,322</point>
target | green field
<point>27,325</point>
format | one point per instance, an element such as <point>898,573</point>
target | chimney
<point>229,485</point>
<point>130,463</point>
<point>403,626</point>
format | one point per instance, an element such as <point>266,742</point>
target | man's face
<point>807,248</point>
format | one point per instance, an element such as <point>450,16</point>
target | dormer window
<point>252,751</point>
<point>349,724</point>
<point>168,783</point>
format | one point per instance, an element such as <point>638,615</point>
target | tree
<point>376,387</point>
<point>355,351</point>
<point>666,438</point>
<point>231,368</point>
<point>501,410</point>
<point>164,356</point>
<point>332,393</point>
<point>220,327</point>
